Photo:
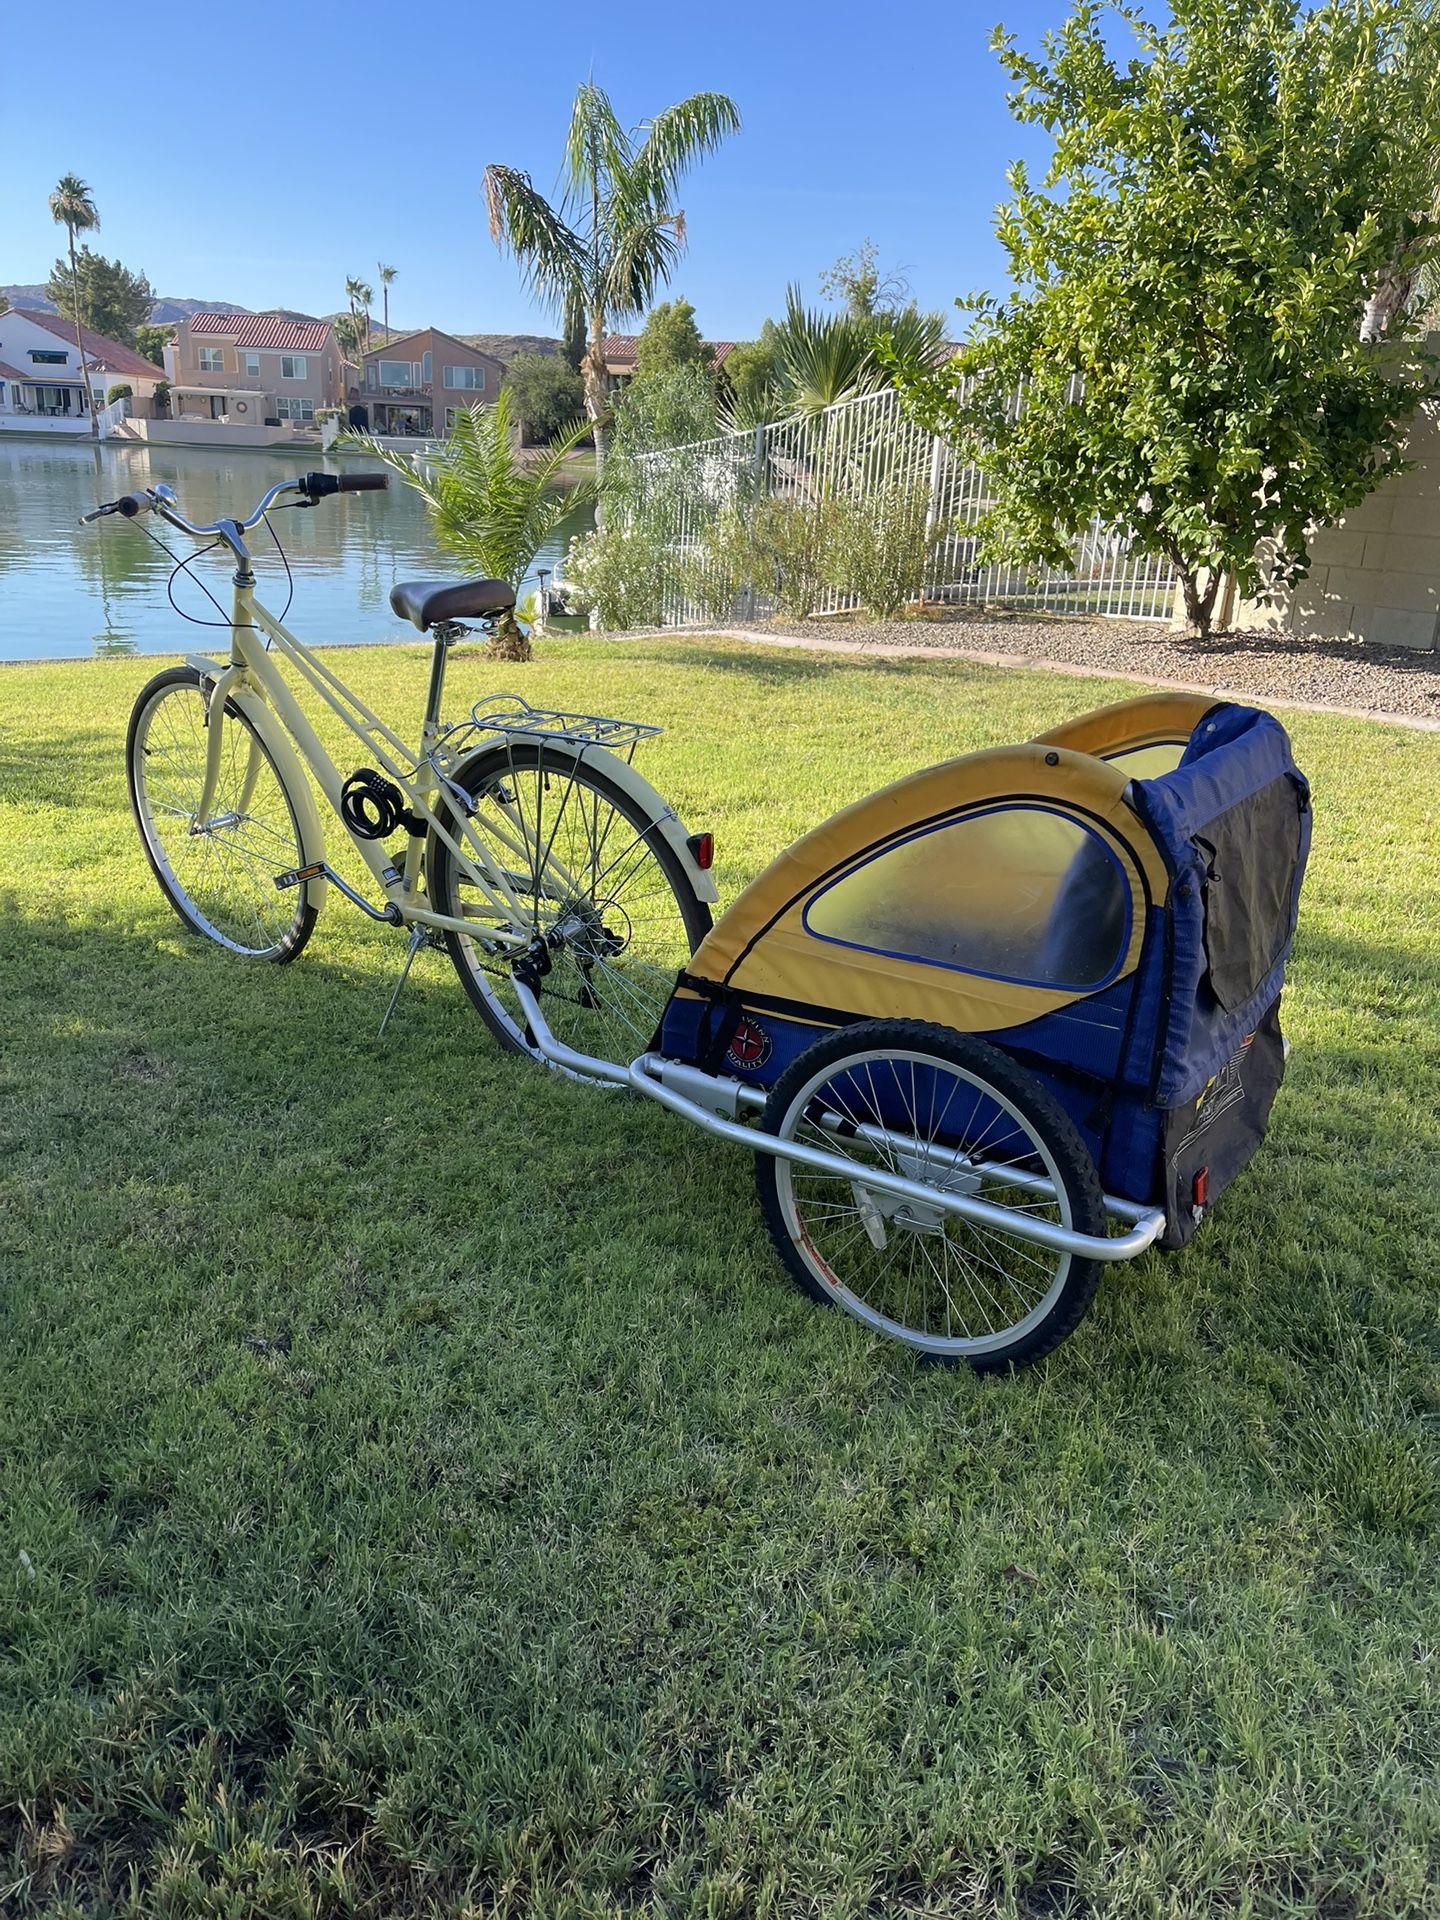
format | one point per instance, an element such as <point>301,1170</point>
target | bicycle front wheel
<point>594,877</point>
<point>218,874</point>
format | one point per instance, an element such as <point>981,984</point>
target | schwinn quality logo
<point>750,1046</point>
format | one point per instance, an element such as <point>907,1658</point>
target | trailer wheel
<point>952,1113</point>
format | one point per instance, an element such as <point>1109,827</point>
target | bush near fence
<point>853,507</point>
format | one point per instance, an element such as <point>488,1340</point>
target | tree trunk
<point>80,340</point>
<point>508,641</point>
<point>592,372</point>
<point>1199,606</point>
<point>385,296</point>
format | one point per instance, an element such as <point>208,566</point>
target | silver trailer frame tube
<point>1146,1224</point>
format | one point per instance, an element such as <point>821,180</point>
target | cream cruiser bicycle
<point>515,831</point>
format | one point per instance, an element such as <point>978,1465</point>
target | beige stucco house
<point>418,383</point>
<point>253,369</point>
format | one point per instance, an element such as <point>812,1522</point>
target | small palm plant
<point>490,506</point>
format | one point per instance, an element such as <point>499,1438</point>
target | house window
<point>46,358</point>
<point>1015,892</point>
<point>469,379</point>
<point>288,408</point>
<point>252,366</point>
<point>292,366</point>
<point>212,359</point>
<point>427,369</point>
<point>399,373</point>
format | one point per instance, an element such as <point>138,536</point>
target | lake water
<point>71,591</point>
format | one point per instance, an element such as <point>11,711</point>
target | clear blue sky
<point>326,138</point>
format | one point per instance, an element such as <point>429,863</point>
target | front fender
<point>288,763</point>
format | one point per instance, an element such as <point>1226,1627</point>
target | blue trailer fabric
<point>1233,822</point>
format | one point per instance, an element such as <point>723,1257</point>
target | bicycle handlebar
<point>312,486</point>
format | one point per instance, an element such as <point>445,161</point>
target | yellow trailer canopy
<point>981,893</point>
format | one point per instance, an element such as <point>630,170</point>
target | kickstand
<point>419,937</point>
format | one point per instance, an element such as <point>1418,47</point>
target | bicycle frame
<point>253,669</point>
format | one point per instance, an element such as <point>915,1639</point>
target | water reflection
<point>72,591</point>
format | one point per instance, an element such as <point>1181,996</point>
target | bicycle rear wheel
<point>595,877</point>
<point>219,877</point>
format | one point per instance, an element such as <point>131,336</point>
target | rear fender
<point>637,789</point>
<point>645,796</point>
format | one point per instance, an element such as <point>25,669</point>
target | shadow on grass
<point>423,1465</point>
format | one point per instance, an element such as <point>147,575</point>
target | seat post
<point>446,632</point>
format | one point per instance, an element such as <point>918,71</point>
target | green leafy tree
<point>669,339</point>
<point>545,393</point>
<point>670,408</point>
<point>150,341</point>
<point>490,507</point>
<point>111,299</point>
<point>1219,216</point>
<point>749,379</point>
<point>614,238</point>
<point>866,293</point>
<point>72,206</point>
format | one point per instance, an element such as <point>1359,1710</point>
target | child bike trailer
<point>1046,977</point>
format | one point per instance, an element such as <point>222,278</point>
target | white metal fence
<point>852,453</point>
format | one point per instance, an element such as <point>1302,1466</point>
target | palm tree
<point>365,294</point>
<point>603,253</point>
<point>360,297</point>
<point>823,357</point>
<point>348,335</point>
<point>387,275</point>
<point>491,508</point>
<point>72,206</point>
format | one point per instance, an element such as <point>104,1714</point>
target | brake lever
<point>99,513</point>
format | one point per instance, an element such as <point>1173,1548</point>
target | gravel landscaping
<point>1334,673</point>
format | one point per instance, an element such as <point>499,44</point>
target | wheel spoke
<point>595,886</point>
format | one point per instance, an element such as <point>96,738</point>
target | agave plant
<point>491,507</point>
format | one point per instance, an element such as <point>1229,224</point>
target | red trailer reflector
<point>702,846</point>
<point>1200,1187</point>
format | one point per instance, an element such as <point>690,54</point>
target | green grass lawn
<point>421,1491</point>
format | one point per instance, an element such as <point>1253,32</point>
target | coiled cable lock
<point>373,807</point>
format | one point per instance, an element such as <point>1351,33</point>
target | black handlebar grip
<point>317,485</point>
<point>364,482</point>
<point>132,503</point>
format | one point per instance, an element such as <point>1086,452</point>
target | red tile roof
<point>109,355</point>
<point>619,350</point>
<point>265,330</point>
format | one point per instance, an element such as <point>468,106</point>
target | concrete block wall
<point>1376,575</point>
